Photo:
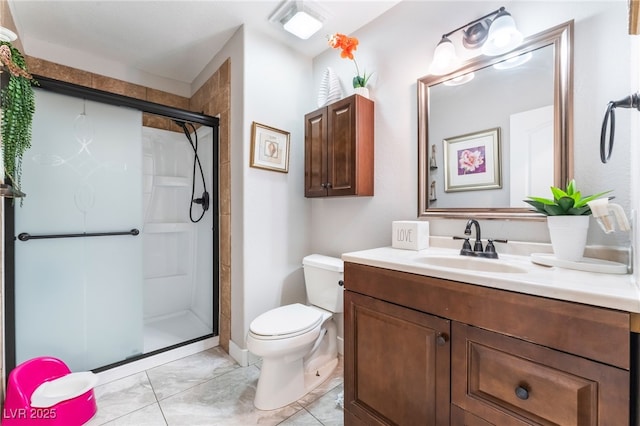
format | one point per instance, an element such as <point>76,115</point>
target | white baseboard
<point>147,363</point>
<point>242,356</point>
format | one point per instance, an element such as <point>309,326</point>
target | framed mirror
<point>496,130</point>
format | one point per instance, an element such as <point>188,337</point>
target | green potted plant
<point>17,101</point>
<point>567,218</point>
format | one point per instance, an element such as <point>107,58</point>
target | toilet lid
<point>285,320</point>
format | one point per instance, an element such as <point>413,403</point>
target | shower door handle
<point>25,236</point>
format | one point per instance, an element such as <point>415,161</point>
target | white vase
<point>362,91</point>
<point>568,236</point>
<point>330,89</point>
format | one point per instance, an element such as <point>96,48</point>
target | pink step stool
<point>62,398</point>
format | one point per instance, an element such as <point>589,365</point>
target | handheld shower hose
<point>204,200</point>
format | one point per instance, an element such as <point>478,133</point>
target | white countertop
<point>598,289</point>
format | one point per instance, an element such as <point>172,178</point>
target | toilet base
<point>294,384</point>
<point>283,382</point>
<point>313,379</point>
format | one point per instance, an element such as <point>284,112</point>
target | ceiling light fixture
<point>298,18</point>
<point>496,37</point>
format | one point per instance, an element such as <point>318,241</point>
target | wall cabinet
<point>339,148</point>
<point>423,350</point>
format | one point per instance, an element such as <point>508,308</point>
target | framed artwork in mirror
<point>269,148</point>
<point>472,161</point>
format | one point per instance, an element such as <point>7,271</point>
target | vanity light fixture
<point>298,18</point>
<point>496,37</point>
<point>503,35</point>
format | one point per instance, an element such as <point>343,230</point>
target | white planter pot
<point>362,91</point>
<point>568,236</point>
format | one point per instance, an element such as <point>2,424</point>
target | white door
<point>531,147</point>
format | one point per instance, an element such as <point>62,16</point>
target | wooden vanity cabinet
<point>339,148</point>
<point>399,363</point>
<point>511,358</point>
<point>507,381</point>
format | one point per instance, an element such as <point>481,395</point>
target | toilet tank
<point>323,277</point>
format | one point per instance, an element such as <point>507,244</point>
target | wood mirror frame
<point>561,38</point>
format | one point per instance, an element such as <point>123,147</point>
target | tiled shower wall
<point>213,99</point>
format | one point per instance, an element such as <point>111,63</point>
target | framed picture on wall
<point>472,161</point>
<point>269,148</point>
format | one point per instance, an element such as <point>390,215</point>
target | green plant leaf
<point>554,210</point>
<point>17,102</point>
<point>585,200</point>
<point>540,200</point>
<point>582,211</point>
<point>565,203</point>
<point>558,193</point>
<point>537,205</point>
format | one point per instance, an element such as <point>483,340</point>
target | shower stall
<point>112,255</point>
<point>176,249</point>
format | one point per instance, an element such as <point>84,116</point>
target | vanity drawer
<point>507,381</point>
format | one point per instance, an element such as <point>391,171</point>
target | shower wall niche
<point>177,253</point>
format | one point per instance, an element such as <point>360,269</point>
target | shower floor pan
<point>172,329</point>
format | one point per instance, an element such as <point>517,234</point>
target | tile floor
<point>208,388</point>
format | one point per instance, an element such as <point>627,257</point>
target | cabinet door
<point>507,381</point>
<point>350,147</point>
<point>396,364</point>
<point>315,153</point>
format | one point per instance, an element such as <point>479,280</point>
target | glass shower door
<point>80,298</point>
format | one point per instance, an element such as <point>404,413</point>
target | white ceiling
<point>173,39</point>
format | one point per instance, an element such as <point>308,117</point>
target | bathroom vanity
<point>511,343</point>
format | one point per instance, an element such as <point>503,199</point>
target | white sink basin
<point>471,264</point>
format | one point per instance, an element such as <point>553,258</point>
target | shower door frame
<point>109,98</point>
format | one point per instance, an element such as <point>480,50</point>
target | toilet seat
<point>285,322</point>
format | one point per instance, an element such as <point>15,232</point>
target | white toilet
<point>298,343</point>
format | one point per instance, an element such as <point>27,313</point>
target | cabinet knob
<point>522,393</point>
<point>324,185</point>
<point>442,339</point>
<point>329,186</point>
